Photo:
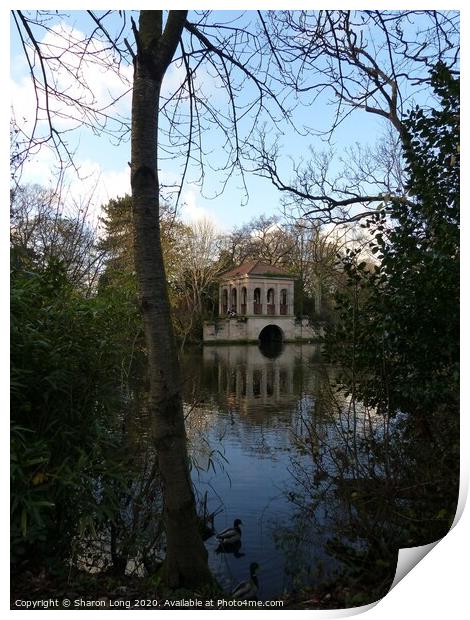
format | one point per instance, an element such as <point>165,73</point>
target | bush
<point>66,360</point>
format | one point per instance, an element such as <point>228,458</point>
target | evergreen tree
<point>401,322</point>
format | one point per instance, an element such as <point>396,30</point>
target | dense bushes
<point>66,378</point>
<point>399,323</point>
<point>397,339</point>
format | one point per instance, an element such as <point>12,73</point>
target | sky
<point>104,167</point>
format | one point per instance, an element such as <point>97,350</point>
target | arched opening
<point>243,300</point>
<point>271,333</point>
<point>257,306</point>
<point>271,341</point>
<point>233,300</point>
<point>271,303</point>
<point>283,304</point>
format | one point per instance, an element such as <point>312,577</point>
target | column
<point>290,380</point>
<point>277,300</point>
<point>264,391</point>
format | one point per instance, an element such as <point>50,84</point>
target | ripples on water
<point>277,443</point>
<point>246,408</point>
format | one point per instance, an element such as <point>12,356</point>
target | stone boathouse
<point>256,304</point>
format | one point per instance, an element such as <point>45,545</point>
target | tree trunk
<point>186,557</point>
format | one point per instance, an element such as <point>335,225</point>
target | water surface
<point>246,410</point>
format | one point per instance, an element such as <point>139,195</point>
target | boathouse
<point>256,304</point>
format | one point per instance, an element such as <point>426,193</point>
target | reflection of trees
<point>366,487</point>
<point>362,483</point>
<point>204,437</point>
<point>256,397</point>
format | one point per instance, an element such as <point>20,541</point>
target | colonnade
<point>264,382</point>
<point>262,298</point>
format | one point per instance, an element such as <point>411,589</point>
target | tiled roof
<point>256,268</point>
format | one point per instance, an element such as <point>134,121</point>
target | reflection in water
<point>271,347</point>
<point>249,410</point>
<point>230,549</point>
<point>325,487</point>
<point>247,377</point>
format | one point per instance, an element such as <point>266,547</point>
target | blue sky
<point>97,155</point>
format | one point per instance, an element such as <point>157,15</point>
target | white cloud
<point>87,72</point>
<point>101,185</point>
<point>93,90</point>
<point>192,212</point>
<point>116,182</point>
<point>92,80</point>
<point>93,187</point>
<point>23,101</point>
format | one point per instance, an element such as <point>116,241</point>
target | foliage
<point>117,243</point>
<point>383,486</point>
<point>189,253</point>
<point>399,321</point>
<point>195,254</point>
<point>397,339</point>
<point>303,248</point>
<point>194,290</point>
<point>43,229</point>
<point>68,353</point>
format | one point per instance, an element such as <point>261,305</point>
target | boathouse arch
<point>271,333</point>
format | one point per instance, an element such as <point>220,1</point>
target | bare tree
<point>59,56</point>
<point>44,229</point>
<point>195,271</point>
<point>229,55</point>
<point>262,238</point>
<point>373,61</point>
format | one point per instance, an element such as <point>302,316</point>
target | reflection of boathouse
<point>247,378</point>
<point>256,302</point>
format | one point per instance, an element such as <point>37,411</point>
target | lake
<point>327,489</point>
<point>246,416</point>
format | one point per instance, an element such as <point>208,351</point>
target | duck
<point>248,590</point>
<point>231,535</point>
<point>230,549</point>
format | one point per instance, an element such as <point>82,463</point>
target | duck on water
<point>248,590</point>
<point>231,535</point>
